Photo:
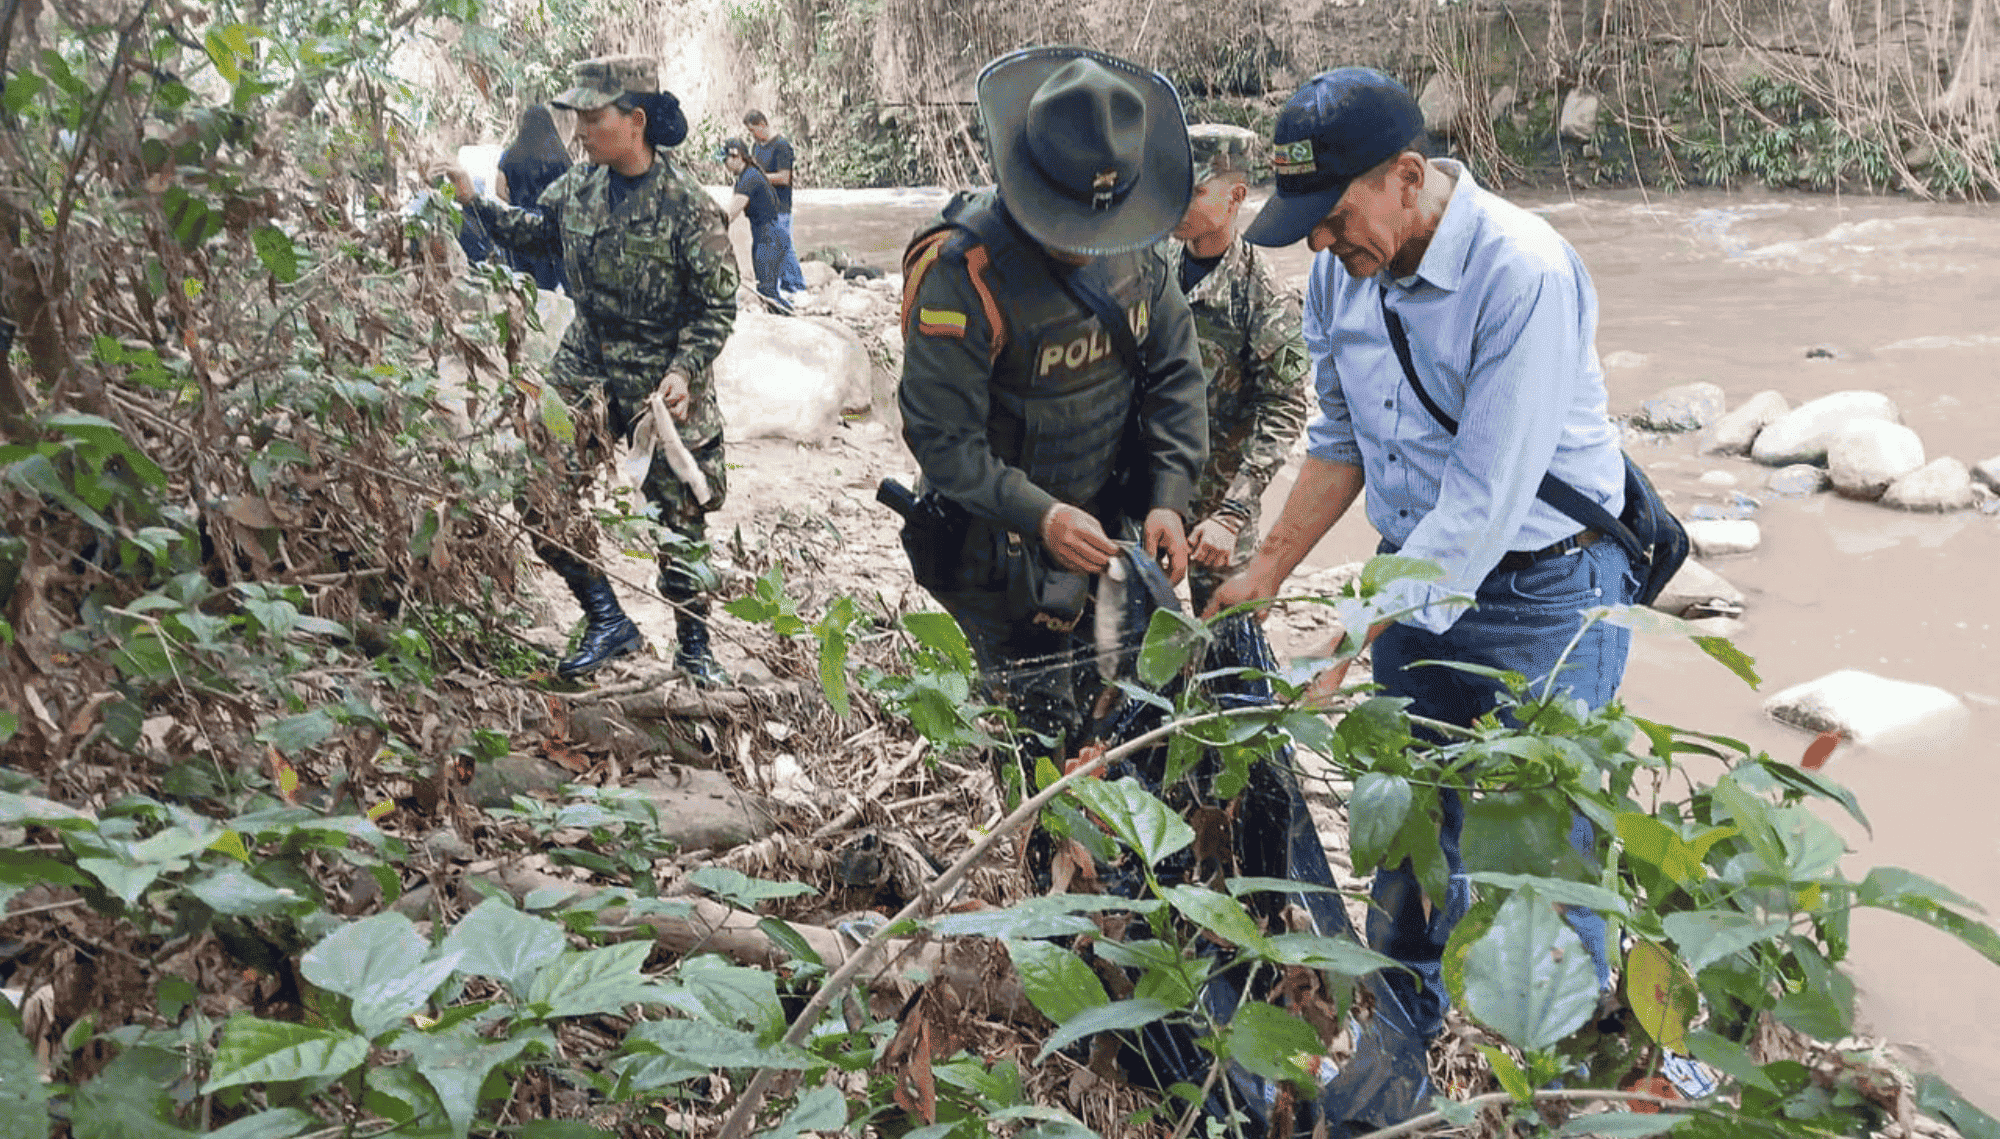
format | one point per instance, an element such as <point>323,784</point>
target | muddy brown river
<point>1736,289</point>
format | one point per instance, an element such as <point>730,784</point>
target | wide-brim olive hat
<point>599,82</point>
<point>1091,151</point>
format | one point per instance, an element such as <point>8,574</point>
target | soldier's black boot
<point>692,655</point>
<point>607,633</point>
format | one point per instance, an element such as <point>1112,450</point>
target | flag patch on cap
<point>1294,157</point>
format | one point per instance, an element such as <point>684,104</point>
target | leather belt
<point>1521,559</point>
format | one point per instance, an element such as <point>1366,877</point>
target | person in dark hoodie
<point>530,163</point>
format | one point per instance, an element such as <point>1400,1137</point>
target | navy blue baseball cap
<point>1341,124</point>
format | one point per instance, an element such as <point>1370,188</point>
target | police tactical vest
<point>1061,397</point>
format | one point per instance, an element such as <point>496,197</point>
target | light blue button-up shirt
<point>1502,323</point>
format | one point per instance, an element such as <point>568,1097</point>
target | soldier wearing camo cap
<point>648,262</point>
<point>1252,351</point>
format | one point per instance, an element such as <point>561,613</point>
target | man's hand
<point>1249,585</point>
<point>675,391</point>
<point>1076,541</point>
<point>442,171</point>
<point>1165,539</point>
<point>1214,540</point>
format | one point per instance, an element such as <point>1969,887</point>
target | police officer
<point>1053,427</point>
<point>647,259</point>
<point>1252,349</point>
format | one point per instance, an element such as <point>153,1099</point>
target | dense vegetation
<point>255,586</point>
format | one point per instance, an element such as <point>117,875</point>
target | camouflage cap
<point>1220,148</point>
<point>597,82</point>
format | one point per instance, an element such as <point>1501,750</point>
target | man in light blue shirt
<point>1501,323</point>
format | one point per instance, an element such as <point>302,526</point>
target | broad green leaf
<point>1752,817</point>
<point>727,993</point>
<point>562,1129</point>
<point>1274,1044</point>
<point>1813,783</point>
<point>1056,980</point>
<point>555,416</point>
<point>1051,915</point>
<point>1734,659</point>
<point>277,1123</point>
<point>355,958</point>
<point>1520,832</point>
<point>1623,1124</point>
<point>24,1101</point>
<point>1512,1079</point>
<point>295,734</point>
<point>1937,1098</point>
<point>1662,994</point>
<point>790,940</point>
<point>231,890</point>
<point>715,1045</point>
<point>743,890</point>
<point>1529,978</point>
<point>456,1064</point>
<point>129,1098</point>
<point>1118,1016</point>
<point>940,634</point>
<point>596,982</point>
<point>1707,936</point>
<point>498,941</point>
<point>1812,847</point>
<point>276,251</point>
<point>1375,816</point>
<point>259,1051</point>
<point>22,87</point>
<point>821,1109</point>
<point>1382,569</point>
<point>1653,842</point>
<point>1729,1058</point>
<point>1171,638</point>
<point>1238,887</point>
<point>1915,896</point>
<point>122,879</point>
<point>1558,890</point>
<point>1219,914</point>
<point>1814,1014</point>
<point>398,1093</point>
<point>30,810</point>
<point>1456,1112</point>
<point>1334,954</point>
<point>1149,827</point>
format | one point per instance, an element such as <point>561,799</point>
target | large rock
<point>789,378</point>
<point>1696,589</point>
<point>1988,472</point>
<point>1941,484</point>
<point>1803,434</point>
<point>1716,537</point>
<point>1734,432</point>
<point>817,273</point>
<point>1685,407</point>
<point>495,784</point>
<point>1579,114</point>
<point>1441,104</point>
<point>1869,454</point>
<point>1797,479</point>
<point>703,810</point>
<point>1864,706</point>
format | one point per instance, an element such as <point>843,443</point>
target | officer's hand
<point>1246,586</point>
<point>1167,542</point>
<point>678,396</point>
<point>1213,541</point>
<point>442,171</point>
<point>1325,688</point>
<point>1075,540</point>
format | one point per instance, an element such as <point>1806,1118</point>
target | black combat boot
<point>692,655</point>
<point>607,634</point>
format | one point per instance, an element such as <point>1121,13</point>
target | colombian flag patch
<point>940,322</point>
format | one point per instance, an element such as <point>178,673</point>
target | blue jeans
<point>1524,620</point>
<point>791,278</point>
<point>767,256</point>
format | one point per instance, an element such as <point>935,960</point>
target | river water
<point>1736,290</point>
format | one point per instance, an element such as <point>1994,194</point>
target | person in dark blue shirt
<point>774,156</point>
<point>755,200</point>
<point>534,159</point>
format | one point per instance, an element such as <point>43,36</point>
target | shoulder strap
<point>1088,291</point>
<point>1554,491</point>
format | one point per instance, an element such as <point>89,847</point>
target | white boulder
<point>1733,433</point>
<point>1579,114</point>
<point>1684,407</point>
<point>817,273</point>
<point>1869,454</point>
<point>1714,537</point>
<point>1696,588</point>
<point>1864,706</point>
<point>1939,485</point>
<point>1988,472</point>
<point>789,378</point>
<point>1441,103</point>
<point>1802,435</point>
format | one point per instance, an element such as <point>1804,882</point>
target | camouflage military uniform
<point>655,287</point>
<point>1253,352</point>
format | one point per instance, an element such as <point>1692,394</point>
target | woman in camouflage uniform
<point>648,262</point>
